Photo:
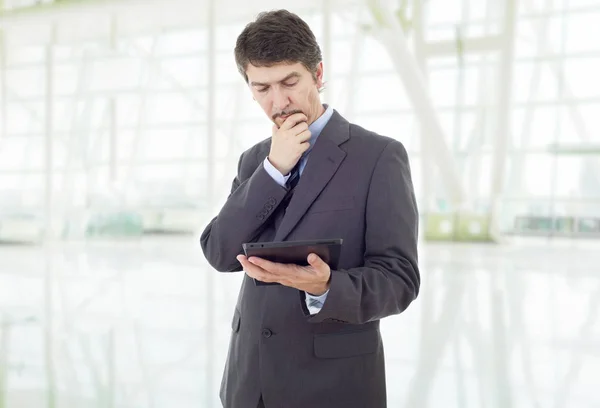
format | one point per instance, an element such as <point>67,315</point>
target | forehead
<point>273,73</point>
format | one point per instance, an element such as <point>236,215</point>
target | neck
<point>320,111</point>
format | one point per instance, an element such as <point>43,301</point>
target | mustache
<point>286,113</point>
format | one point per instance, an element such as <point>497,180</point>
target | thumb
<point>314,260</point>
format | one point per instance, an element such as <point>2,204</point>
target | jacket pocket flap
<point>335,203</point>
<point>346,344</point>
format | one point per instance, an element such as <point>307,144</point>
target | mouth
<point>287,114</point>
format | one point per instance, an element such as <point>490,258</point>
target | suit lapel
<point>323,161</point>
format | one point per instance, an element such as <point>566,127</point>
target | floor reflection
<point>146,324</point>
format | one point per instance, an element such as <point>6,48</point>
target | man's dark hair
<point>275,37</point>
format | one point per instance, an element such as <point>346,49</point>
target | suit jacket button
<point>267,333</point>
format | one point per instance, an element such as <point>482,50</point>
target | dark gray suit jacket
<point>356,186</point>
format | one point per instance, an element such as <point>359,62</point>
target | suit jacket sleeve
<point>389,280</point>
<point>253,199</point>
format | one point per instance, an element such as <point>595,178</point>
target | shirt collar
<point>318,125</point>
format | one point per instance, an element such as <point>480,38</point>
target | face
<point>284,89</point>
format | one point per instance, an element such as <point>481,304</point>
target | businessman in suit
<point>313,341</point>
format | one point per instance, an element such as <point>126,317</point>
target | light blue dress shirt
<point>313,303</point>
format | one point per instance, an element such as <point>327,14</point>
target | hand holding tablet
<point>295,252</point>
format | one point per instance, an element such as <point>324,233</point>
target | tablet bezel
<point>269,250</point>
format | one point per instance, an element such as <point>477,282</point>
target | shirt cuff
<point>315,303</point>
<point>274,173</point>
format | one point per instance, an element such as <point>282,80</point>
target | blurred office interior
<point>121,123</point>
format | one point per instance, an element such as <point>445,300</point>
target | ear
<point>319,75</point>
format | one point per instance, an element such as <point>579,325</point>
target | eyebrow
<point>289,76</point>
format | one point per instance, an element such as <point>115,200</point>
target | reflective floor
<point>146,323</point>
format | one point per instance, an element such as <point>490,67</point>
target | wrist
<point>279,168</point>
<point>319,290</point>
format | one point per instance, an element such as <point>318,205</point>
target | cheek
<point>303,96</point>
<point>263,101</point>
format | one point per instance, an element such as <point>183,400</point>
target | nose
<point>280,99</point>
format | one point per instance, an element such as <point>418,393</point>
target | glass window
<point>374,56</point>
<point>535,82</point>
<point>440,11</point>
<point>31,82</point>
<point>535,127</point>
<point>115,74</point>
<point>383,92</point>
<point>25,54</point>
<point>171,108</point>
<point>537,173</point>
<point>399,126</point>
<point>25,117</point>
<point>181,42</point>
<point>580,77</point>
<point>583,31</point>
<point>443,86</point>
<point>539,36</point>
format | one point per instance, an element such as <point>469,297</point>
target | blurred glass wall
<point>121,123</point>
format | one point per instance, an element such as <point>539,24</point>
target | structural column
<point>327,50</point>
<point>211,128</point>
<point>49,222</point>
<point>390,34</point>
<point>3,83</point>
<point>504,113</point>
<point>48,135</point>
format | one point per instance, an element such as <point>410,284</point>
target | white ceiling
<point>84,20</point>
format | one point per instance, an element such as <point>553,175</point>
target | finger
<point>244,262</point>
<point>315,261</point>
<point>261,276</point>
<point>296,118</point>
<point>304,136</point>
<point>293,120</point>
<point>303,147</point>
<point>258,273</point>
<point>300,127</point>
<point>247,265</point>
<point>269,266</point>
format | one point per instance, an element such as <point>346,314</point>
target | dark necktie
<point>294,176</point>
<point>291,185</point>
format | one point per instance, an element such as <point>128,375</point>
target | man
<point>314,340</point>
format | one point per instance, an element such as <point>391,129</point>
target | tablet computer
<point>295,252</point>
